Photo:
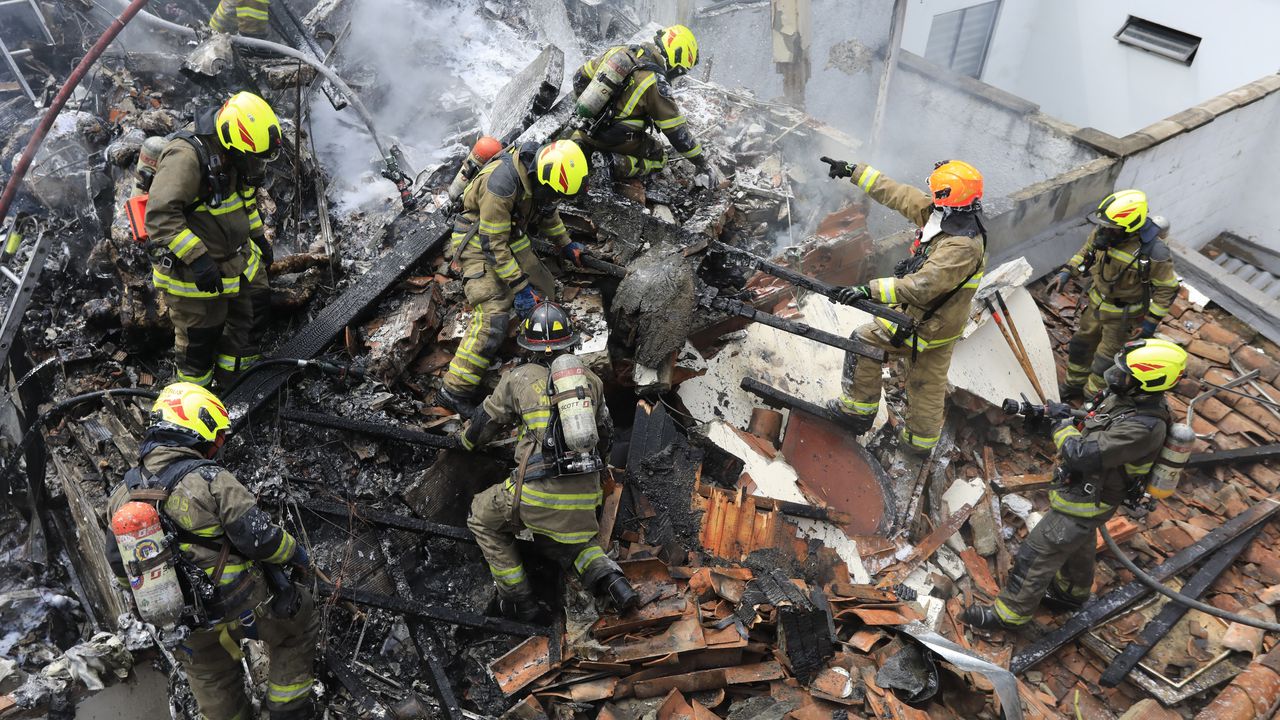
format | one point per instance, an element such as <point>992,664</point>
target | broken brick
<point>1216,334</point>
<point>1259,414</point>
<point>1212,409</point>
<point>1237,423</point>
<point>1213,352</point>
<point>1251,358</point>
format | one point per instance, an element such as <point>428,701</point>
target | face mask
<point>1118,379</point>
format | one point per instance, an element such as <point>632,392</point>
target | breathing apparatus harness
<point>966,223</point>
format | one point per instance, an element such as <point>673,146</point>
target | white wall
<point>1197,179</point>
<point>1063,55</point>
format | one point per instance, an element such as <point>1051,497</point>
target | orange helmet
<point>955,183</point>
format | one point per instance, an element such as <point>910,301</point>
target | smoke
<point>427,69</point>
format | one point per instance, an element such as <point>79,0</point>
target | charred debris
<point>785,571</point>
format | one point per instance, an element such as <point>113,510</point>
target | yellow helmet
<point>1155,364</point>
<point>248,124</point>
<point>562,166</point>
<point>189,408</point>
<point>680,48</point>
<point>1124,209</point>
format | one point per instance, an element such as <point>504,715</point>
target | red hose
<point>60,100</point>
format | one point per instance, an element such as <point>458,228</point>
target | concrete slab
<point>530,93</point>
<point>806,369</point>
<point>985,366</point>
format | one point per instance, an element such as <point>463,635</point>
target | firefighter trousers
<point>211,657</point>
<point>926,384</point>
<point>560,513</point>
<point>219,334</point>
<point>1092,349</point>
<point>1060,550</point>
<point>633,153</point>
<point>491,300</point>
<point>243,17</point>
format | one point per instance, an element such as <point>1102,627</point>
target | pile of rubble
<point>786,571</point>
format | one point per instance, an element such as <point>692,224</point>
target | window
<point>959,39</point>
<point>1158,39</point>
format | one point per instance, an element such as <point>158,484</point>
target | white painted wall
<point>1198,179</point>
<point>1064,56</point>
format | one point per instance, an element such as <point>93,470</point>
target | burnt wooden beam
<point>1172,612</point>
<point>386,519</point>
<point>1233,457</point>
<point>465,618</point>
<point>1101,608</point>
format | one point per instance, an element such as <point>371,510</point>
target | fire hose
<point>1178,597</point>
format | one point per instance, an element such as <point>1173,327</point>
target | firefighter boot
<point>524,608</point>
<point>300,711</point>
<point>856,424</point>
<point>982,617</point>
<point>1060,601</point>
<point>464,405</point>
<point>620,591</point>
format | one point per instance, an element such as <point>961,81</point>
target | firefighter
<point>643,100</point>
<point>225,537</point>
<point>517,189</point>
<point>243,17</point>
<point>934,286</point>
<point>555,504</point>
<point>1133,281</point>
<point>207,238</point>
<point>1102,462</point>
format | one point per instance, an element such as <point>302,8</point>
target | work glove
<point>850,295</point>
<point>1058,282</point>
<point>1148,328</point>
<point>1057,411</point>
<point>264,249</point>
<point>573,251</point>
<point>207,276</point>
<point>301,558</point>
<point>525,300</point>
<point>839,168</point>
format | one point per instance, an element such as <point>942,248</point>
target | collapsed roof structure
<point>786,571</point>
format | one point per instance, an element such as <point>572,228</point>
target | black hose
<point>58,408</point>
<point>1178,597</point>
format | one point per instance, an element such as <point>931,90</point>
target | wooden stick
<point>1013,328</point>
<point>1022,361</point>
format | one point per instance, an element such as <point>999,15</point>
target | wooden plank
<point>1022,483</point>
<point>609,511</point>
<point>710,679</point>
<point>928,546</point>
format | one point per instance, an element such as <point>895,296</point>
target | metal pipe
<point>60,100</point>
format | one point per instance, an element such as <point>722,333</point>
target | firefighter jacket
<point>522,398</point>
<point>1111,452</point>
<point>212,505</point>
<point>498,206</point>
<point>646,98</point>
<point>938,294</point>
<point>183,225</point>
<point>1131,278</point>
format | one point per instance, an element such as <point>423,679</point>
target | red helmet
<point>955,183</point>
